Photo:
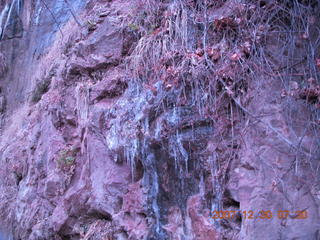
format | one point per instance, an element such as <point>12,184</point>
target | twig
<point>73,13</point>
<point>283,138</point>
<point>54,18</point>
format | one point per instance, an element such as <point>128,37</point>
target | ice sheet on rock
<point>3,18</point>
<point>12,23</point>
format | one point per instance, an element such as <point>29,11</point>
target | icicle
<point>201,186</point>
<point>158,129</point>
<point>183,152</point>
<point>150,179</point>
<point>112,138</point>
<point>175,158</point>
<point>82,107</point>
<point>175,117</point>
<point>133,149</point>
<point>154,191</point>
<point>38,12</point>
<point>146,138</point>
<point>146,125</point>
<point>216,186</point>
<point>19,5</point>
<point>155,202</point>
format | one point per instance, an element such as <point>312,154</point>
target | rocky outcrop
<point>140,119</point>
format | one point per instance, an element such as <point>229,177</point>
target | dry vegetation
<point>210,52</point>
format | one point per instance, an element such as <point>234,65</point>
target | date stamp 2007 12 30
<point>263,214</point>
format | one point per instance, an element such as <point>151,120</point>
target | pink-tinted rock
<point>117,123</point>
<point>202,228</point>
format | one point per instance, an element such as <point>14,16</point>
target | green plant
<point>69,160</point>
<point>133,27</point>
<point>67,157</point>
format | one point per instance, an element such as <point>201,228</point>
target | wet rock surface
<point>114,128</point>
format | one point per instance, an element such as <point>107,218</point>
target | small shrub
<point>133,27</point>
<point>69,160</point>
<point>67,157</point>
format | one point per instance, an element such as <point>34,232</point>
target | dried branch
<point>268,125</point>
<point>54,18</point>
<point>73,13</point>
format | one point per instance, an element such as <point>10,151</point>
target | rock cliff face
<point>144,119</point>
